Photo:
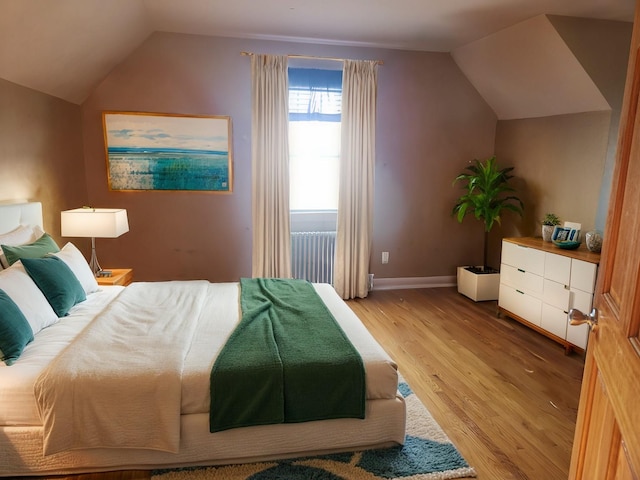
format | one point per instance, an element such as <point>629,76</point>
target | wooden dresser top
<point>581,253</point>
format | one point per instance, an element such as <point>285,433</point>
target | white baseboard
<point>413,282</point>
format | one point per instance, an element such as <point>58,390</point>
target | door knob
<point>576,317</point>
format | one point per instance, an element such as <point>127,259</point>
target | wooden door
<point>607,439</point>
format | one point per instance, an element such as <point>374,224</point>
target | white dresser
<point>540,282</point>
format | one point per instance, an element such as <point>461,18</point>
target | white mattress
<point>18,407</point>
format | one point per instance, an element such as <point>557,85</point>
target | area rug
<point>427,454</point>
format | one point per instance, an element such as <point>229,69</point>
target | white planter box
<point>479,287</point>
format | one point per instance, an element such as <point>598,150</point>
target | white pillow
<point>17,283</point>
<point>22,235</point>
<point>79,266</point>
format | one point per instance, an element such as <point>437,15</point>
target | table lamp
<point>94,223</point>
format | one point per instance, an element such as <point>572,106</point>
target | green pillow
<point>56,281</point>
<point>38,249</point>
<point>15,331</point>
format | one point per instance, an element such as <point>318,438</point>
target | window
<point>315,98</point>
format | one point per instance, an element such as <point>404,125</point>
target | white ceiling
<point>547,80</point>
<point>66,47</point>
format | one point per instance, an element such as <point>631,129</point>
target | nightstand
<point>119,276</point>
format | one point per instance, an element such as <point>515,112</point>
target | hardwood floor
<point>505,395</point>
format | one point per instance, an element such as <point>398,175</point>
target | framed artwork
<point>153,151</point>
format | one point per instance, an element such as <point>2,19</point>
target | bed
<point>26,428</point>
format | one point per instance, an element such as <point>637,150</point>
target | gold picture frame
<point>170,152</point>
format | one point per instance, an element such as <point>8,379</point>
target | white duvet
<point>118,385</point>
<point>184,389</point>
<point>17,403</point>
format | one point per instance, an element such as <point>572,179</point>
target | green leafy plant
<point>550,219</point>
<point>487,194</point>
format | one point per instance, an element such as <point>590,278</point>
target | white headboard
<point>12,215</point>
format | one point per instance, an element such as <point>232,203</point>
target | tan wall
<point>431,121</point>
<point>565,162</point>
<point>559,162</point>
<point>602,48</point>
<point>41,152</point>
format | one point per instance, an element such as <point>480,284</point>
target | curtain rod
<point>310,57</point>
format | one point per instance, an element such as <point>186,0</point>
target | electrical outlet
<point>385,257</point>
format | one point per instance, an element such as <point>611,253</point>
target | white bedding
<point>18,406</point>
<point>118,385</point>
<point>211,331</point>
<point>22,432</point>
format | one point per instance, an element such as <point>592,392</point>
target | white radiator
<point>312,256</point>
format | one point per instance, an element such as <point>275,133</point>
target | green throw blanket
<point>287,361</point>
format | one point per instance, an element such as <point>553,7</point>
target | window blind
<point>315,95</point>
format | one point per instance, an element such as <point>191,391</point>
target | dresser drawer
<point>556,294</point>
<point>557,268</point>
<point>577,335</point>
<point>523,258</point>
<point>554,320</point>
<point>521,280</point>
<point>583,301</point>
<point>519,303</point>
<point>583,275</point>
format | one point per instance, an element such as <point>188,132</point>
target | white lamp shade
<point>94,222</point>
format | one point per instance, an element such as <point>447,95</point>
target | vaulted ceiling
<point>528,70</point>
<point>66,47</point>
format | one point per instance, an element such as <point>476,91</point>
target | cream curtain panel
<point>357,160</point>
<point>270,167</point>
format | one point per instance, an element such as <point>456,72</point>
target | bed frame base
<point>384,426</point>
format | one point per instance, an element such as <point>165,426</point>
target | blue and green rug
<point>427,454</point>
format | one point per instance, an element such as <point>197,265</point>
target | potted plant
<point>549,222</point>
<point>487,194</point>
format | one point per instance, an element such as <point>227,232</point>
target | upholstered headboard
<point>12,215</point>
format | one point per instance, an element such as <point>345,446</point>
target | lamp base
<point>93,263</point>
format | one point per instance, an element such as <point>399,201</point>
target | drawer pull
<point>521,270</point>
<point>520,292</point>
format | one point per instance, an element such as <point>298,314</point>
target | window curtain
<point>357,160</point>
<point>270,167</point>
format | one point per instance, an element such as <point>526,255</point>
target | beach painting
<point>151,151</point>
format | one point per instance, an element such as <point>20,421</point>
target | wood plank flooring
<point>505,395</point>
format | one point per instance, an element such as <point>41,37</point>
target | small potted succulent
<point>549,222</point>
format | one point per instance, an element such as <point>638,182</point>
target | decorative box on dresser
<point>540,283</point>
